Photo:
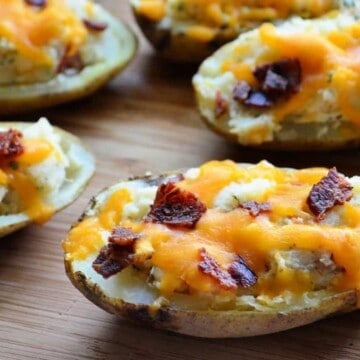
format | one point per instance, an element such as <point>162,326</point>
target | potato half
<point>291,86</point>
<point>191,30</point>
<point>224,250</point>
<point>98,46</point>
<point>51,173</point>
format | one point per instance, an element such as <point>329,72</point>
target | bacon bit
<point>95,25</point>
<point>70,65</point>
<point>122,236</point>
<point>333,189</point>
<point>280,78</point>
<point>242,273</point>
<point>176,207</point>
<point>10,144</point>
<point>221,105</point>
<point>118,254</point>
<point>211,267</point>
<point>37,3</point>
<point>277,80</point>
<point>255,207</point>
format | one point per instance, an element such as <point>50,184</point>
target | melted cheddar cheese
<point>203,16</point>
<point>32,30</point>
<point>266,242</point>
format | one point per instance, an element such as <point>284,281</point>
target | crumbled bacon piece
<point>95,25</point>
<point>176,207</point>
<point>37,3</point>
<point>255,207</point>
<point>333,189</point>
<point>241,91</point>
<point>70,65</point>
<point>118,254</point>
<point>123,237</point>
<point>211,267</point>
<point>280,78</point>
<point>276,81</point>
<point>242,274</point>
<point>10,144</point>
<point>221,105</point>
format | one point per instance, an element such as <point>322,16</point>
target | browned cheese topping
<point>175,207</point>
<point>332,190</point>
<point>10,144</point>
<point>277,81</point>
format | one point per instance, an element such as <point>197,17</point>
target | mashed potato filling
<point>294,254</point>
<point>31,181</point>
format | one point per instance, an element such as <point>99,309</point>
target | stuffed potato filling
<point>33,167</point>
<point>42,39</point>
<point>271,85</point>
<point>224,236</point>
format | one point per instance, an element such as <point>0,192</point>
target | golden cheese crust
<point>223,250</point>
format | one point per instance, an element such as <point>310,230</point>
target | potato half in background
<point>42,170</point>
<point>292,86</point>
<point>191,30</point>
<point>223,250</point>
<point>57,50</point>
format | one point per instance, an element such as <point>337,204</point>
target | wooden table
<point>143,120</point>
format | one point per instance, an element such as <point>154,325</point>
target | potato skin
<point>208,323</point>
<point>18,99</point>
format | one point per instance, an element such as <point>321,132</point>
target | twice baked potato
<point>191,30</point>
<point>42,170</point>
<point>223,250</point>
<point>57,50</point>
<point>292,86</point>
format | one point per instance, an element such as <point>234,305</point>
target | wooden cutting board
<point>144,120</point>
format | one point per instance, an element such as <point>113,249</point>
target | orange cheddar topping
<point>31,30</point>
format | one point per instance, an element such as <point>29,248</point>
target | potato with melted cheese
<point>222,250</point>
<point>190,30</point>
<point>57,50</point>
<point>42,170</point>
<point>289,86</point>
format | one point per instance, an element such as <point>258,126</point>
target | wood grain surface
<point>143,120</point>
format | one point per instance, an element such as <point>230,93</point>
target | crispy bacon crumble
<point>254,207</point>
<point>221,105</point>
<point>238,274</point>
<point>333,189</point>
<point>10,144</point>
<point>118,254</point>
<point>276,81</point>
<point>37,3</point>
<point>95,25</point>
<point>176,207</point>
<point>209,266</point>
